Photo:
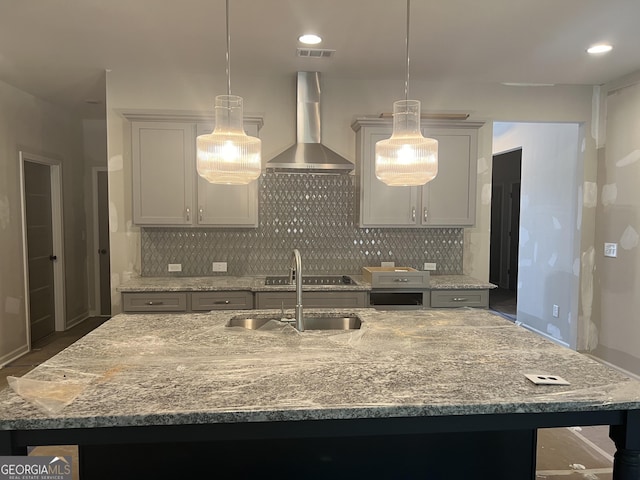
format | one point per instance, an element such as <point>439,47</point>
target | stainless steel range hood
<point>308,155</point>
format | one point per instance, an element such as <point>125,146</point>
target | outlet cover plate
<point>387,264</point>
<point>430,266</point>
<point>219,266</point>
<point>544,379</point>
<point>175,267</point>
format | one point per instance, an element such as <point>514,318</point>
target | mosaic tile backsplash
<point>313,213</point>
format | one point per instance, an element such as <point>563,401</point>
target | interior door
<point>40,254</point>
<point>103,243</point>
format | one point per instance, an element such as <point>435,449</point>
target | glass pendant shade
<point>407,158</point>
<point>228,155</point>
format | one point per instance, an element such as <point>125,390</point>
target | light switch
<point>610,249</point>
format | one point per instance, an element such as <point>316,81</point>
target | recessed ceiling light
<point>600,48</point>
<point>309,39</point>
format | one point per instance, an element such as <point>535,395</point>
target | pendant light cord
<point>406,83</point>
<point>228,49</point>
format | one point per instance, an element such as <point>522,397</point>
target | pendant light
<point>228,155</point>
<point>407,158</point>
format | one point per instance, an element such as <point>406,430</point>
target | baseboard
<point>611,365</point>
<point>78,319</point>
<point>11,356</point>
<point>544,334</point>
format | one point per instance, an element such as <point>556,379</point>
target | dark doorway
<point>103,243</point>
<point>40,250</point>
<point>505,230</point>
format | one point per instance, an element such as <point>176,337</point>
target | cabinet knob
<point>413,214</point>
<point>188,211</point>
<point>425,215</point>
<point>201,214</point>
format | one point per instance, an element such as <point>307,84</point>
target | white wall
<point>616,324</point>
<point>344,99</point>
<point>27,123</point>
<point>549,248</point>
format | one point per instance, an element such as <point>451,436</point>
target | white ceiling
<point>59,49</point>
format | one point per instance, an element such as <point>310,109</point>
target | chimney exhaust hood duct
<point>308,155</point>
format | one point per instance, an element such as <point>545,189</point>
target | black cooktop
<point>313,280</point>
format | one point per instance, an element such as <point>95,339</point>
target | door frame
<point>57,234</point>
<point>96,239</point>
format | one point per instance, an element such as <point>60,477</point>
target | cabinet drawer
<point>459,298</point>
<point>155,302</point>
<point>205,301</point>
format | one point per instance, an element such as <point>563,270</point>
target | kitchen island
<point>444,385</point>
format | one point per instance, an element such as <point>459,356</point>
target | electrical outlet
<point>429,266</point>
<point>556,311</point>
<point>611,250</point>
<point>219,266</point>
<point>387,264</point>
<point>175,267</point>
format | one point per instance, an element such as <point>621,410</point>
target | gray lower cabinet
<point>155,302</point>
<point>167,302</point>
<point>269,300</point>
<point>459,298</point>
<point>206,301</point>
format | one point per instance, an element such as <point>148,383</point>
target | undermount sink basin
<point>324,322</point>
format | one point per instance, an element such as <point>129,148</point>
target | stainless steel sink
<point>249,323</point>
<point>351,322</point>
<point>324,322</point>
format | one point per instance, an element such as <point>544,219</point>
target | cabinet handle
<point>188,214</point>
<point>201,213</point>
<point>459,299</point>
<point>413,214</point>
<point>425,214</point>
<point>400,279</point>
<point>155,303</point>
<point>221,302</point>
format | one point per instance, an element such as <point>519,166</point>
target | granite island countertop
<point>257,284</point>
<point>172,369</point>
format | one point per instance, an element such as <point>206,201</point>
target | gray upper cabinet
<point>163,165</point>
<point>227,205</point>
<point>448,200</point>
<point>167,190</point>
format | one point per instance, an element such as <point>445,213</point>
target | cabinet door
<point>227,205</point>
<point>380,204</point>
<point>163,162</point>
<point>450,198</point>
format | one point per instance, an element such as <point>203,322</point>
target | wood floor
<point>584,453</point>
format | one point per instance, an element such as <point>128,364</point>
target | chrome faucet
<point>295,271</point>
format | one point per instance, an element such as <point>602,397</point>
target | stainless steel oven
<point>393,288</point>
<point>398,299</point>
